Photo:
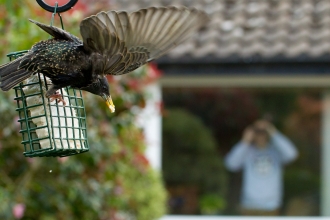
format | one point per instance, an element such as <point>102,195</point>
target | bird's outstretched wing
<point>123,42</point>
<point>57,33</point>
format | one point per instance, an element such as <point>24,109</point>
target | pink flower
<point>18,210</point>
<point>29,159</point>
<point>118,190</point>
<point>153,71</point>
<point>17,124</point>
<point>62,159</point>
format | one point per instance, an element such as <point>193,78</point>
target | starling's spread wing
<point>57,33</point>
<point>160,29</point>
<point>103,36</point>
<point>123,42</point>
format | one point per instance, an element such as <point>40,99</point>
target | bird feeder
<point>50,128</point>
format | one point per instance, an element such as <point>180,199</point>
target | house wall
<point>325,208</point>
<point>150,120</point>
<point>310,81</point>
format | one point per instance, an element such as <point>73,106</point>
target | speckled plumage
<point>63,61</point>
<point>113,43</point>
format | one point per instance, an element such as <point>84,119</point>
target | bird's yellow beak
<point>109,103</point>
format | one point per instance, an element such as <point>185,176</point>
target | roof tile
<point>262,28</point>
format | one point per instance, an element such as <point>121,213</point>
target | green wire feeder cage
<point>49,128</point>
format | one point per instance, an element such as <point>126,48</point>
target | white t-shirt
<point>262,171</point>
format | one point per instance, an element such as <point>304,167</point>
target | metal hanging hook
<point>59,9</point>
<point>59,15</point>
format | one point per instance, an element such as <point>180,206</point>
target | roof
<point>252,30</point>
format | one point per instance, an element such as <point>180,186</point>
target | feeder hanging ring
<point>59,9</point>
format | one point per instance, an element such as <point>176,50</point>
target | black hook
<point>60,9</point>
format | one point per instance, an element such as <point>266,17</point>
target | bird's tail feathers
<point>10,80</point>
<point>10,75</point>
<point>10,67</point>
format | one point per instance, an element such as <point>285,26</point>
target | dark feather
<point>10,67</point>
<point>57,33</point>
<point>9,81</point>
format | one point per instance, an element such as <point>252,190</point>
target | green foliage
<point>114,179</point>
<point>301,182</point>
<point>226,111</point>
<point>211,204</point>
<point>189,154</point>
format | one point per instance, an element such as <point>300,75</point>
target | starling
<point>112,43</point>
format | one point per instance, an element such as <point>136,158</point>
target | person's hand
<point>248,135</point>
<point>266,125</point>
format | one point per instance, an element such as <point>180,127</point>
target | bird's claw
<point>58,97</point>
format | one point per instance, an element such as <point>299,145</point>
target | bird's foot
<point>58,97</point>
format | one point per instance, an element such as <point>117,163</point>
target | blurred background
<point>162,151</point>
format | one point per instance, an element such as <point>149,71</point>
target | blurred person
<point>261,154</point>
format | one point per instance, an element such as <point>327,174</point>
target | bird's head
<point>101,87</point>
